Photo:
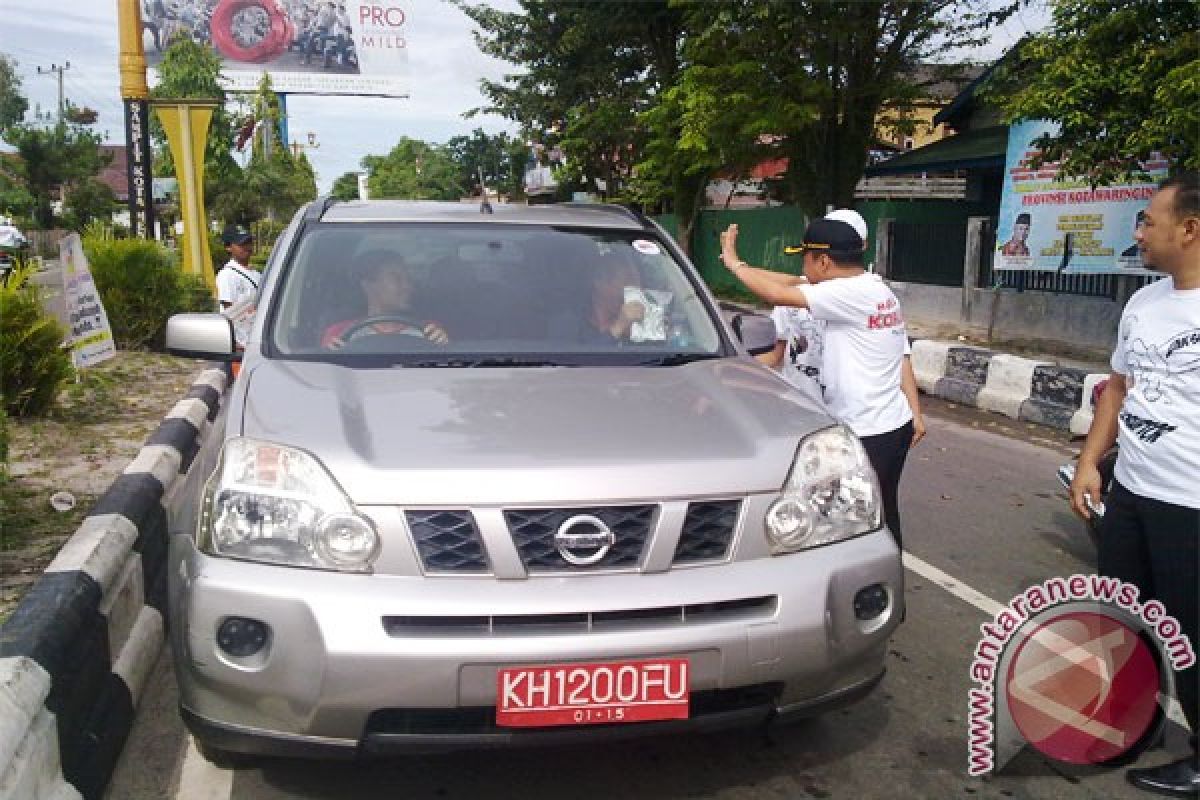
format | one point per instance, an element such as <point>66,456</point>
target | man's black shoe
<point>1178,779</point>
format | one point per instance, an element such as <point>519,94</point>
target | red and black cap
<point>833,237</point>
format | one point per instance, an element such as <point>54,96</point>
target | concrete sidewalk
<point>1052,389</point>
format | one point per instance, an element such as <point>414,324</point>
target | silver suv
<point>511,478</point>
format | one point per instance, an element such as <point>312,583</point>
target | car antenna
<point>485,207</point>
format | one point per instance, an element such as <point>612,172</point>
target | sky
<point>444,70</point>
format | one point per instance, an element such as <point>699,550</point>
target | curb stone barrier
<point>1027,389</point>
<point>76,652</point>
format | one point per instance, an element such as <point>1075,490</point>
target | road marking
<point>201,779</point>
<point>952,585</point>
<point>990,607</point>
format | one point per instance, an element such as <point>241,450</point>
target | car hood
<point>521,436</point>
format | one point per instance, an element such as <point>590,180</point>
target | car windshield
<point>441,294</point>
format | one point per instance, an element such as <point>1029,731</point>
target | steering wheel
<point>416,327</point>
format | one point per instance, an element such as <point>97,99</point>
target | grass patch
<point>30,523</point>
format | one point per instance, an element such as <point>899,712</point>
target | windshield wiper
<point>495,361</point>
<point>676,359</point>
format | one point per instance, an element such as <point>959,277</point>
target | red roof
<point>114,174</point>
<point>773,168</point>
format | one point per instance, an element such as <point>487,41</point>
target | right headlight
<point>831,494</point>
<point>278,505</point>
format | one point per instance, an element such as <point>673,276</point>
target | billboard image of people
<point>351,47</point>
<point>1043,213</point>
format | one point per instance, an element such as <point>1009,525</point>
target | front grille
<point>533,533</point>
<point>448,541</point>
<point>634,619</point>
<point>707,531</point>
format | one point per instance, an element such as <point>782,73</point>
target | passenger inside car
<point>607,317</point>
<point>387,293</point>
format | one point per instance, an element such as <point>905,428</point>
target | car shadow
<point>691,765</point>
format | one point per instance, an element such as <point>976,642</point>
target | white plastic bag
<point>653,326</point>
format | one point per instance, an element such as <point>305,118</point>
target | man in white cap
<point>800,354</point>
<point>909,378</point>
<point>798,348</point>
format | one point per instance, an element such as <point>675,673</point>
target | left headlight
<point>279,505</point>
<point>831,494</point>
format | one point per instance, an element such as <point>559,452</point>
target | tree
<point>190,70</point>
<point>279,181</point>
<point>414,170</point>
<point>346,186</point>
<point>14,196</point>
<point>13,104</point>
<point>589,71</point>
<point>87,200</point>
<point>813,77</point>
<point>50,158</point>
<point>1122,80</point>
<point>500,159</point>
<point>656,97</point>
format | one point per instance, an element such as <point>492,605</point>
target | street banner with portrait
<point>351,47</point>
<point>89,335</point>
<point>1041,210</point>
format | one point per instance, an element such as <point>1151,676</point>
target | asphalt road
<point>980,504</point>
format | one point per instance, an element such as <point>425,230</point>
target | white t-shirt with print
<point>1158,352</point>
<point>236,283</point>
<point>803,348</point>
<point>864,347</point>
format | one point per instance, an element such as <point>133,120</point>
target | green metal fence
<point>762,234</point>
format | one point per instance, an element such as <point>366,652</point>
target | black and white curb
<point>1018,387</point>
<point>76,652</point>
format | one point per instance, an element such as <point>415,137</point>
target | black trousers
<point>887,452</point>
<point>1156,547</point>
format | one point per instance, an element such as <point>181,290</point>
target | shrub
<point>141,286</point>
<point>216,251</point>
<point>33,363</point>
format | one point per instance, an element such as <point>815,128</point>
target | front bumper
<point>335,679</point>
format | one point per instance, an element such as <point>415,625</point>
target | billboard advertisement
<point>1049,221</point>
<point>353,47</point>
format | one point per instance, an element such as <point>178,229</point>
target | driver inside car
<point>387,290</point>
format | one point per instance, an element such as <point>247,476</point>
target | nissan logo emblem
<point>584,540</point>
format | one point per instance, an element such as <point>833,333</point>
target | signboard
<point>1042,210</point>
<point>140,181</point>
<point>90,337</point>
<point>353,47</point>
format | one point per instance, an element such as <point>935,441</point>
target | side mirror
<point>207,336</point>
<point>756,332</point>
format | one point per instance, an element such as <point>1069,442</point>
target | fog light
<point>870,602</point>
<point>241,637</point>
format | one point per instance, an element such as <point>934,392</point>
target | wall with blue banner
<point>1041,210</point>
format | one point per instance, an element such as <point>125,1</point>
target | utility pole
<point>55,69</point>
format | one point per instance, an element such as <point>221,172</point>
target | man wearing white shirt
<point>799,347</point>
<point>865,340</point>
<point>1150,532</point>
<point>237,280</point>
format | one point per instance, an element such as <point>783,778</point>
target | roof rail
<point>317,208</point>
<point>611,208</point>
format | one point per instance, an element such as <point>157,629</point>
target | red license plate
<point>588,694</point>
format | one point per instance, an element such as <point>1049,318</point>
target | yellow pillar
<point>186,124</point>
<point>133,54</point>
